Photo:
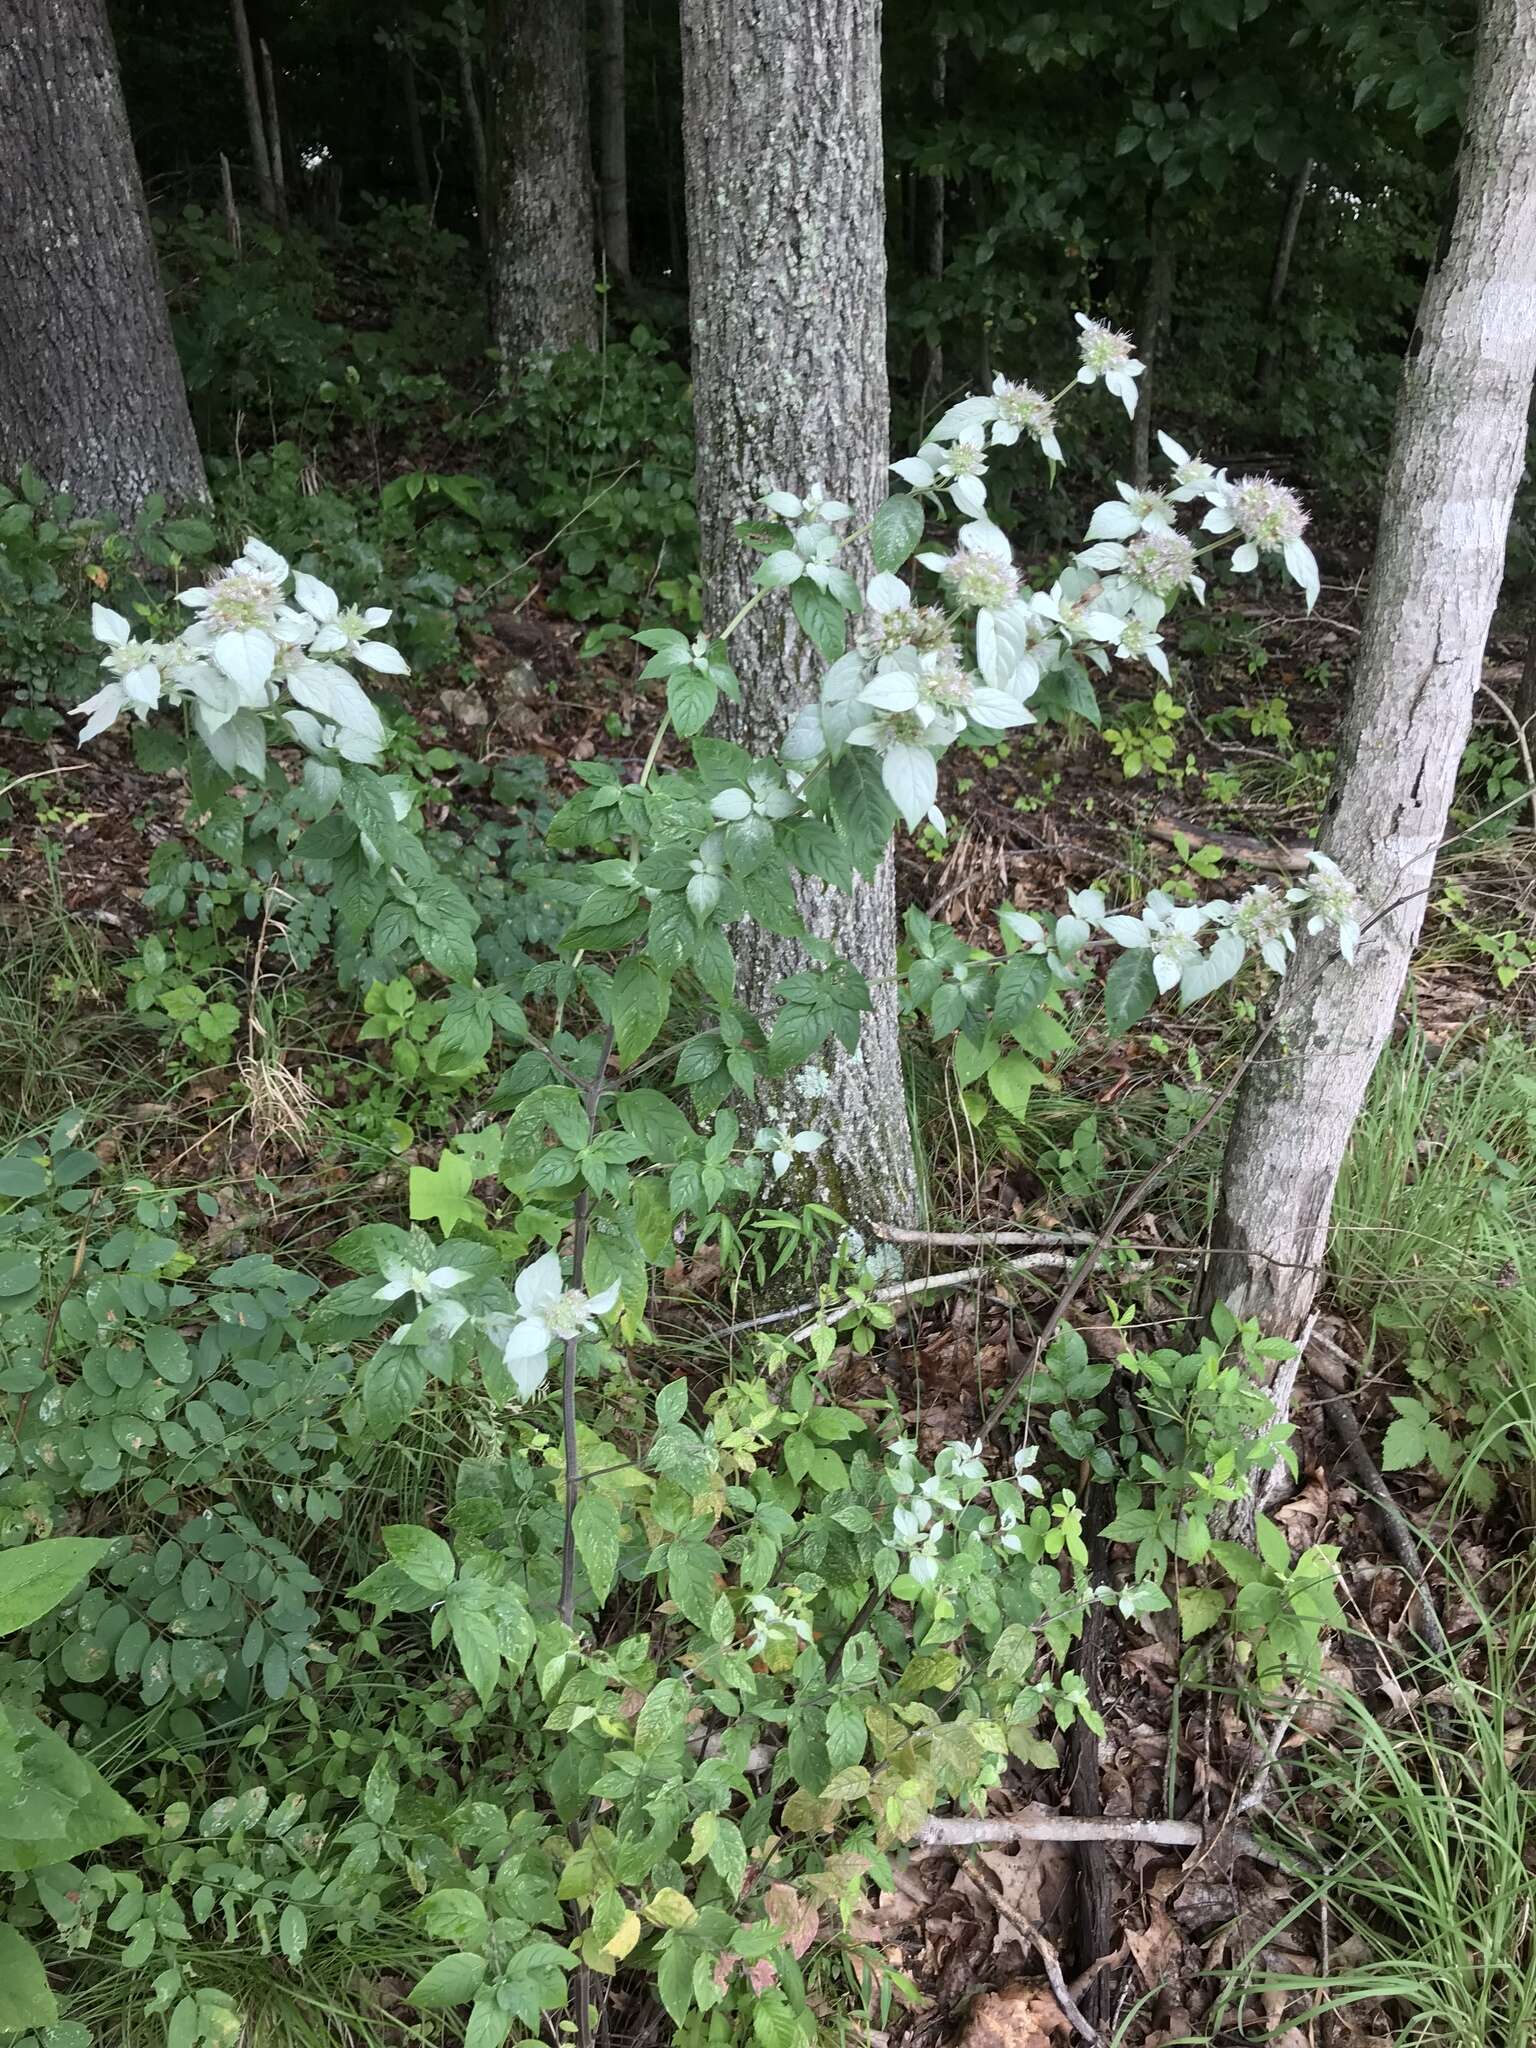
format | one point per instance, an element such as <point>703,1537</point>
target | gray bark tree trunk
<point>274,137</point>
<point>91,393</point>
<point>612,143</point>
<point>1280,270</point>
<point>933,374</point>
<point>1151,335</point>
<point>787,299</point>
<point>1457,452</point>
<point>411,101</point>
<point>543,279</point>
<point>261,161</point>
<point>478,148</point>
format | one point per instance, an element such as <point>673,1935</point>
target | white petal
<point>99,711</point>
<point>377,615</point>
<point>317,598</point>
<point>193,599</point>
<point>446,1276</point>
<point>970,496</point>
<point>890,691</point>
<point>109,626</point>
<point>378,654</point>
<point>1112,521</point>
<point>1165,972</point>
<point>887,593</point>
<point>913,470</point>
<point>246,658</point>
<point>991,708</point>
<point>266,559</point>
<point>1245,557</point>
<point>526,1339</point>
<point>539,1284</point>
<point>911,780</point>
<point>604,1303</point>
<point>1302,564</point>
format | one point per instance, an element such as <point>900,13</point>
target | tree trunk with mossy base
<point>1457,454</point>
<point>543,277</point>
<point>91,393</point>
<point>787,293</point>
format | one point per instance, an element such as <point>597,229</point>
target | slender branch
<point>1522,741</point>
<point>960,1832</point>
<point>1047,1953</point>
<point>582,1221</point>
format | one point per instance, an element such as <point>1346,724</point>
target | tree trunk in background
<point>1151,335</point>
<point>1457,452</point>
<point>543,280</point>
<point>479,153</point>
<point>1285,248</point>
<point>91,393</point>
<point>933,374</point>
<point>614,168</point>
<point>275,137</point>
<point>261,162</point>
<point>420,169</point>
<point>787,298</point>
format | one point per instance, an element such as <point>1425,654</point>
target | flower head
<point>1021,409</point>
<point>1109,354</point>
<point>1330,899</point>
<point>548,1313</point>
<point>1271,520</point>
<point>1263,923</point>
<point>978,580</point>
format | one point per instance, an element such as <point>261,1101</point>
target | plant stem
<point>594,1093</point>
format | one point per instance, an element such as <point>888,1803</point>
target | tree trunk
<point>1285,248</point>
<point>614,173</point>
<point>787,302</point>
<point>91,393</point>
<point>420,169</point>
<point>543,281</point>
<point>1457,451</point>
<point>261,162</point>
<point>479,154</point>
<point>1152,333</point>
<point>275,137</point>
<point>933,373</point>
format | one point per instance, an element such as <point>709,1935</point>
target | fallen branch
<point>893,1234</point>
<point>1253,853</point>
<point>943,1832</point>
<point>937,1283</point>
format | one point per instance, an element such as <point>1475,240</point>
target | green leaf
<point>895,531</point>
<point>691,699</point>
<point>476,1639</point>
<point>421,1555</point>
<point>441,1194</point>
<point>393,1382</point>
<point>1200,1608</point>
<point>452,1981</point>
<point>1023,983</point>
<point>693,1578</point>
<point>596,1524</point>
<point>292,1933</point>
<point>35,1578</point>
<point>1130,990</point>
<point>821,617</point>
<point>638,1007</point>
<point>66,1806</point>
<point>457,1916</point>
<point>1012,1080</point>
<point>25,1998</point>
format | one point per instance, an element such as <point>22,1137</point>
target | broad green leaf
<point>65,1806</point>
<point>691,699</point>
<point>1200,1608</point>
<point>638,1006</point>
<point>895,532</point>
<point>458,1916</point>
<point>596,1525</point>
<point>1012,1080</point>
<point>25,1998</point>
<point>478,1643</point>
<point>1130,990</point>
<point>36,1577</point>
<point>452,1981</point>
<point>421,1555</point>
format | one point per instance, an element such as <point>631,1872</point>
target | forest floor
<point>1239,796</point>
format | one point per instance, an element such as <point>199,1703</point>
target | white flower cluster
<point>548,1313</point>
<point>247,649</point>
<point>922,673</point>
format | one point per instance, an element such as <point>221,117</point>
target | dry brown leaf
<point>1304,1518</point>
<point>1156,1947</point>
<point>1023,2016</point>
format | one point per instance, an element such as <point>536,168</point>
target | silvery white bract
<point>784,1149</point>
<point>1108,354</point>
<point>550,1313</point>
<point>957,470</point>
<point>1170,932</point>
<point>247,650</point>
<point>1330,899</point>
<point>1271,520</point>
